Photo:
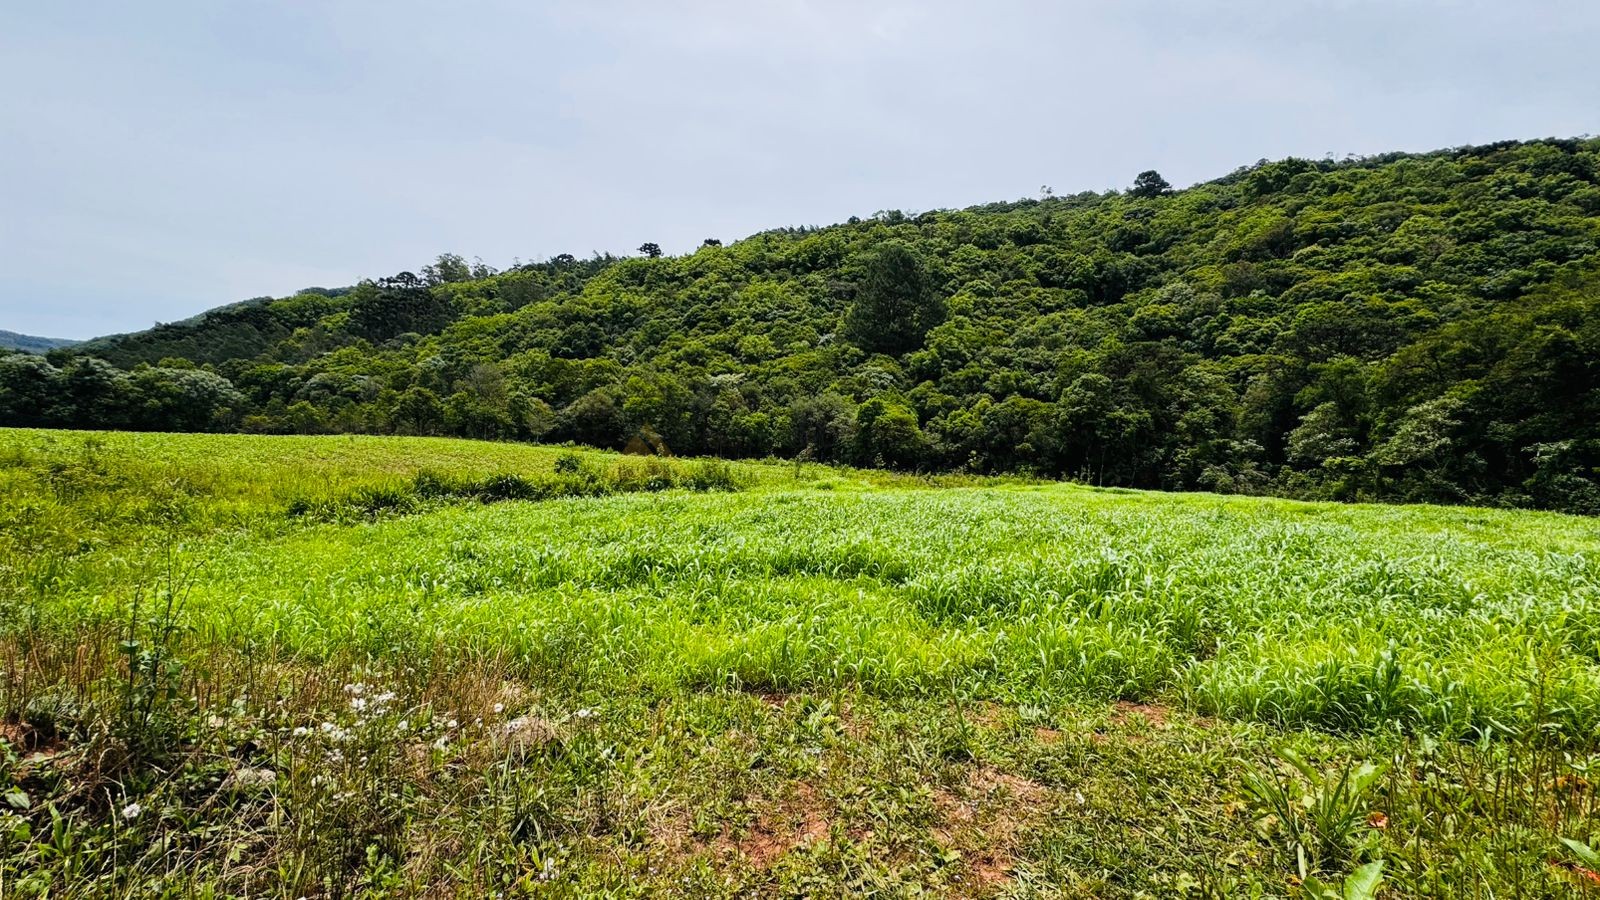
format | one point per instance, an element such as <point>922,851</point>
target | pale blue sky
<point>160,158</point>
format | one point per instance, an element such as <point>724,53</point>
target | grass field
<point>262,666</point>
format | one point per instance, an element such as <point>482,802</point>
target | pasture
<point>341,666</point>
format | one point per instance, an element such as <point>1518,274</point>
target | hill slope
<point>27,343</point>
<point>1407,326</point>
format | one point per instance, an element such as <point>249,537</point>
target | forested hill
<point>1404,327</point>
<point>27,343</point>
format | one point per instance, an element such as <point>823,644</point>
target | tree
<point>650,249</point>
<point>824,426</point>
<point>592,419</point>
<point>94,394</point>
<point>451,267</point>
<point>1422,435</point>
<point>660,404</point>
<point>1149,184</point>
<point>186,399</point>
<point>887,434</point>
<point>380,310</point>
<point>27,386</point>
<point>896,304</point>
<point>711,242</point>
<point>418,411</point>
<point>1323,434</point>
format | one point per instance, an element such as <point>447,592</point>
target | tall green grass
<point>151,583</point>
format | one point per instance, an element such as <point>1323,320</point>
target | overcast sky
<point>161,158</point>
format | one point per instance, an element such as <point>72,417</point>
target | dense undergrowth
<point>824,683</point>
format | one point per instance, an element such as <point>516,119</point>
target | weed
<point>1321,814</point>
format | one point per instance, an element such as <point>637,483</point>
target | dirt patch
<point>1047,735</point>
<point>799,820</point>
<point>1580,874</point>
<point>1125,710</point>
<point>987,715</point>
<point>27,740</point>
<point>986,818</point>
<point>851,721</point>
<point>669,827</point>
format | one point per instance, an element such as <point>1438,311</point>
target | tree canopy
<point>1417,327</point>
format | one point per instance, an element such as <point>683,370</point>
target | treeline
<point>1403,327</point>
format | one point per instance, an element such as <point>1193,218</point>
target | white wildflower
<point>132,811</point>
<point>402,726</point>
<point>585,713</point>
<point>499,708</point>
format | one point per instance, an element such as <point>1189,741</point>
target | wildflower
<point>402,726</point>
<point>358,703</point>
<point>1377,820</point>
<point>451,724</point>
<point>585,713</point>
<point>499,708</point>
<point>301,731</point>
<point>132,811</point>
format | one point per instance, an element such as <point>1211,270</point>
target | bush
<point>572,478</point>
<point>713,475</point>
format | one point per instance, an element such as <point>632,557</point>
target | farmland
<point>360,666</point>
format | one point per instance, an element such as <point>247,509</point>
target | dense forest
<point>1406,327</point>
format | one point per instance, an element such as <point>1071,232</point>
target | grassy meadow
<point>373,667</point>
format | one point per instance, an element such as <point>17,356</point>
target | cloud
<point>161,159</point>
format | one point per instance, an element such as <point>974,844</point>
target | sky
<point>161,158</point>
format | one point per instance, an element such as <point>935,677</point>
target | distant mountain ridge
<point>28,343</point>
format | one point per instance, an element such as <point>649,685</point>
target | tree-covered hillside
<point>1420,327</point>
<point>28,343</point>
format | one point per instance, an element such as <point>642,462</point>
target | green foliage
<point>1321,815</point>
<point>1362,884</point>
<point>1403,327</point>
<point>895,304</point>
<point>555,671</point>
